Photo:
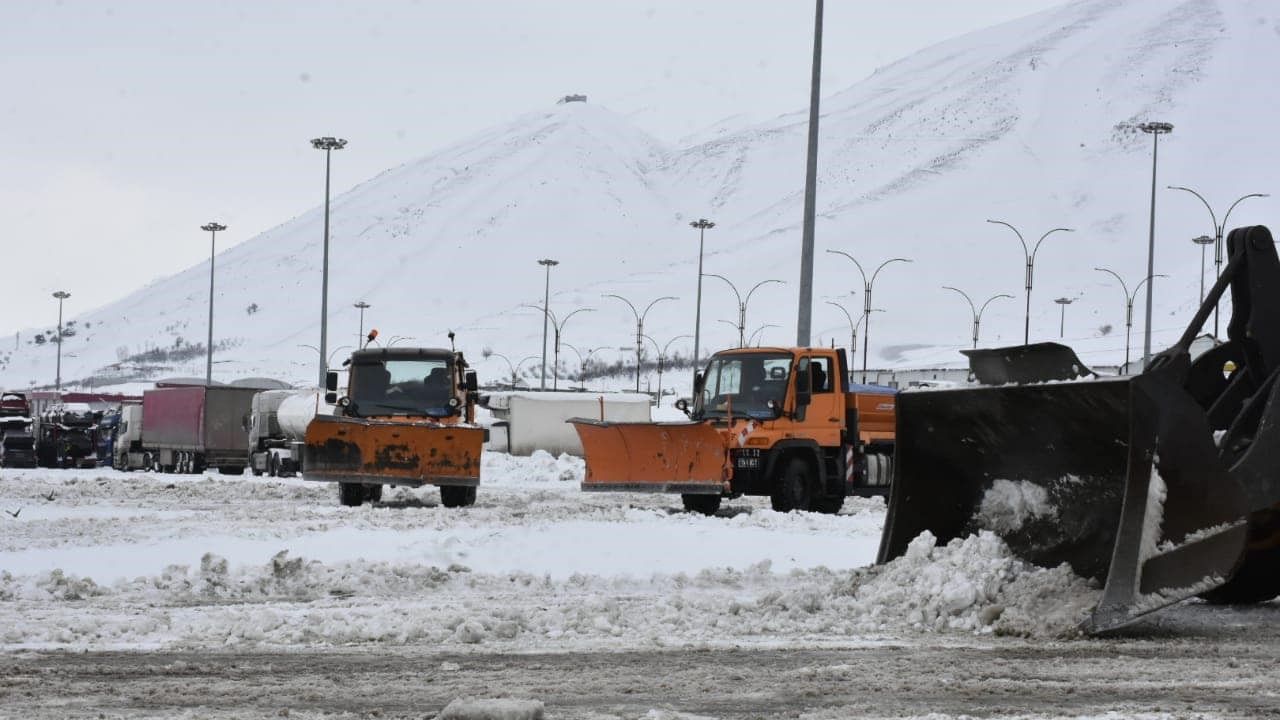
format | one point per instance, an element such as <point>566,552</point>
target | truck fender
<point>795,446</point>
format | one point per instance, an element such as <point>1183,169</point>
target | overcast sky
<point>127,125</point>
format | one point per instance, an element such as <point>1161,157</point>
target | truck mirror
<point>331,380</point>
<point>697,382</point>
<point>803,393</point>
<point>682,405</point>
<point>472,383</point>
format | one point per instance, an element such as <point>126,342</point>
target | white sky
<point>128,124</point>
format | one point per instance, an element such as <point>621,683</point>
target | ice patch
<point>1008,505</point>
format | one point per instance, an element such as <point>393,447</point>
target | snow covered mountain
<point>1029,122</point>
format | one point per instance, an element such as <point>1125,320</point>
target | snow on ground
<point>103,560</point>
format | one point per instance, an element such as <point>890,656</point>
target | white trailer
<point>278,422</point>
<point>537,420</point>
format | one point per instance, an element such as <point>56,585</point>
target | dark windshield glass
<point>418,386</point>
<point>745,384</point>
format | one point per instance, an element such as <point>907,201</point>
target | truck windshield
<point>743,384</point>
<point>417,386</point>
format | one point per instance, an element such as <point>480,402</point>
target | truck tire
<point>273,465</point>
<point>705,504</point>
<point>828,505</point>
<point>453,496</point>
<point>373,493</point>
<point>351,494</point>
<point>1258,577</point>
<point>793,487</point>
<point>231,470</point>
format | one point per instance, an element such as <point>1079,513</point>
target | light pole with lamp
<point>211,228</point>
<point>487,353</point>
<point>1204,241</point>
<point>1030,257</point>
<point>742,304</point>
<point>361,306</point>
<point>702,225</point>
<point>866,302</point>
<point>754,333</point>
<point>524,360</point>
<point>662,357</point>
<point>583,360</point>
<point>1063,302</point>
<point>546,301</point>
<point>640,316</point>
<point>558,325</point>
<point>1155,130</point>
<point>328,145</point>
<point>1128,307</point>
<point>1218,229</point>
<point>328,361</point>
<point>57,378</point>
<point>397,338</point>
<point>976,311</point>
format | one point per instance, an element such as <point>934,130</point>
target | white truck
<point>278,422</point>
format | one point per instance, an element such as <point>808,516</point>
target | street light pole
<point>703,225</point>
<point>742,304</point>
<point>362,306</point>
<point>1128,307</point>
<point>640,328</point>
<point>805,306</point>
<point>1218,230</point>
<point>57,382</point>
<point>866,302</point>
<point>1155,130</point>
<point>1063,302</point>
<point>328,145</point>
<point>212,228</point>
<point>1204,241</point>
<point>976,311</point>
<point>546,302</point>
<point>662,357</point>
<point>1030,257</point>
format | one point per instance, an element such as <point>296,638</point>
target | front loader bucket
<point>348,449</point>
<point>679,457</point>
<point>1063,472</point>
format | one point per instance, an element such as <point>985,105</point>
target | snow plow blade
<point>679,457</point>
<point>359,450</point>
<point>1161,485</point>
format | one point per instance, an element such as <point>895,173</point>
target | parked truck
<point>186,429</point>
<point>781,422</point>
<point>407,418</point>
<point>278,422</point>
<point>67,436</point>
<point>17,441</point>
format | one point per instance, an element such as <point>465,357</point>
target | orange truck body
<point>805,449</point>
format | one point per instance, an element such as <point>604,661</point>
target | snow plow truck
<point>408,418</point>
<point>779,422</point>
<point>1163,485</point>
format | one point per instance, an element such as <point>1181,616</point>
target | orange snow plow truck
<point>407,419</point>
<point>781,422</point>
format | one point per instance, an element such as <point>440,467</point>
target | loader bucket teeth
<point>653,457</point>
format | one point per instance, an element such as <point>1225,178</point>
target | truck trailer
<point>186,429</point>
<point>278,422</point>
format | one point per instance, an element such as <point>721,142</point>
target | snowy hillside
<point>1025,122</point>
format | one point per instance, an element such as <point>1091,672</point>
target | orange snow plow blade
<point>347,449</point>
<point>676,457</point>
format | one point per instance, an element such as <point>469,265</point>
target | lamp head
<point>1157,128</point>
<point>213,227</point>
<point>328,143</point>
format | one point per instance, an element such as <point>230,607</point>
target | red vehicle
<point>187,428</point>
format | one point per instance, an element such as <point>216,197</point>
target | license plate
<point>748,462</point>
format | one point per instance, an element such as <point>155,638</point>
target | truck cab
<point>17,441</point>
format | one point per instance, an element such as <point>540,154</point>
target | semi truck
<point>786,423</point>
<point>186,429</point>
<point>407,418</point>
<point>67,436</point>
<point>278,422</point>
<point>17,441</point>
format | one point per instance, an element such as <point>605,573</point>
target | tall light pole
<point>1204,241</point>
<point>805,306</point>
<point>328,145</point>
<point>1030,256</point>
<point>546,302</point>
<point>662,358</point>
<point>640,316</point>
<point>853,335</point>
<point>211,228</point>
<point>487,353</point>
<point>1128,306</point>
<point>742,304</point>
<point>976,311</point>
<point>1155,130</point>
<point>757,333</point>
<point>583,360</point>
<point>1218,229</point>
<point>1063,302</point>
<point>558,325</point>
<point>361,306</point>
<point>866,302</point>
<point>57,381</point>
<point>703,225</point>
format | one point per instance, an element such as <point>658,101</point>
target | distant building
<point>571,98</point>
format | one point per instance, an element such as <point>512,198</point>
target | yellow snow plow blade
<point>348,449</point>
<point>680,457</point>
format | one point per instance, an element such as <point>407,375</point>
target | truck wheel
<point>1258,577</point>
<point>828,505</point>
<point>793,487</point>
<point>230,470</point>
<point>452,496</point>
<point>705,504</point>
<point>254,469</point>
<point>351,494</point>
<point>373,493</point>
<point>273,465</point>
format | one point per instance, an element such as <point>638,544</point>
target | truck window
<point>744,384</point>
<point>820,374</point>
<point>419,386</point>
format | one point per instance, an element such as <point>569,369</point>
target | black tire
<point>1258,577</point>
<point>351,494</point>
<point>256,472</point>
<point>793,487</point>
<point>373,493</point>
<point>828,505</point>
<point>273,465</point>
<point>705,504</point>
<point>453,496</point>
<point>229,470</point>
